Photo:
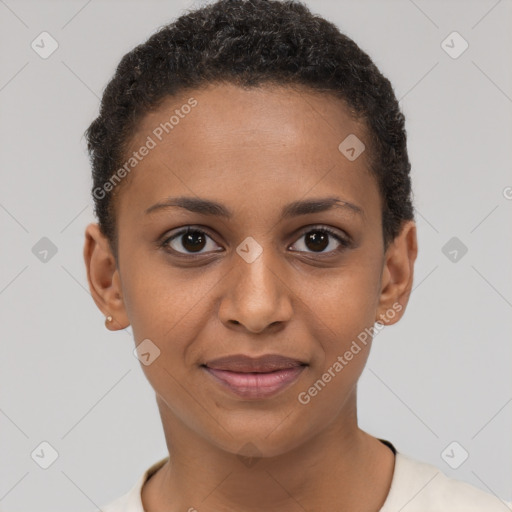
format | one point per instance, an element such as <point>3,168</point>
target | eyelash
<point>344,244</point>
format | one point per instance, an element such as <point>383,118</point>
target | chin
<point>258,442</point>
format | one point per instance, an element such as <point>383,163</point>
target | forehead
<point>269,141</point>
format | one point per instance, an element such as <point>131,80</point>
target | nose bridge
<point>257,296</point>
<point>259,274</point>
<point>256,271</point>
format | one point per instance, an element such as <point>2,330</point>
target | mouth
<point>255,378</point>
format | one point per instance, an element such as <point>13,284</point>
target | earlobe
<point>103,278</point>
<point>397,275</point>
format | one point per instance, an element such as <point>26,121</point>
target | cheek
<point>345,300</point>
<point>163,303</point>
<point>344,309</point>
<point>168,307</point>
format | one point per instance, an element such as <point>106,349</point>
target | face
<point>289,261</point>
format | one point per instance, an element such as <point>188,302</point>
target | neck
<point>341,468</point>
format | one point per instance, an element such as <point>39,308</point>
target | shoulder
<point>132,501</point>
<point>421,487</point>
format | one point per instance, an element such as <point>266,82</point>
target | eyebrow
<point>296,208</point>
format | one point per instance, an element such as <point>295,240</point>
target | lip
<point>255,378</point>
<point>262,364</point>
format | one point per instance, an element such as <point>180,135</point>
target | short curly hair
<point>252,43</point>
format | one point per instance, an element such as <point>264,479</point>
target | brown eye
<point>317,240</point>
<point>192,240</point>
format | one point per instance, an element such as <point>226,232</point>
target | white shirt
<point>415,487</point>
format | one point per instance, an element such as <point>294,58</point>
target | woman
<point>251,183</point>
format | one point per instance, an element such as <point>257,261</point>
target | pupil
<point>193,241</point>
<point>319,240</point>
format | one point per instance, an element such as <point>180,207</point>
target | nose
<point>256,296</point>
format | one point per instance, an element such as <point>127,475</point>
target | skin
<point>255,150</point>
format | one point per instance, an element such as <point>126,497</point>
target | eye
<point>318,238</point>
<point>192,239</point>
<point>197,241</point>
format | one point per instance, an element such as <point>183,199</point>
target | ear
<point>397,275</point>
<point>103,278</point>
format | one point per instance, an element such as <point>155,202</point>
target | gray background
<point>440,375</point>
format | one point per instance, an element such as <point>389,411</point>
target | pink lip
<point>256,385</point>
<point>243,363</point>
